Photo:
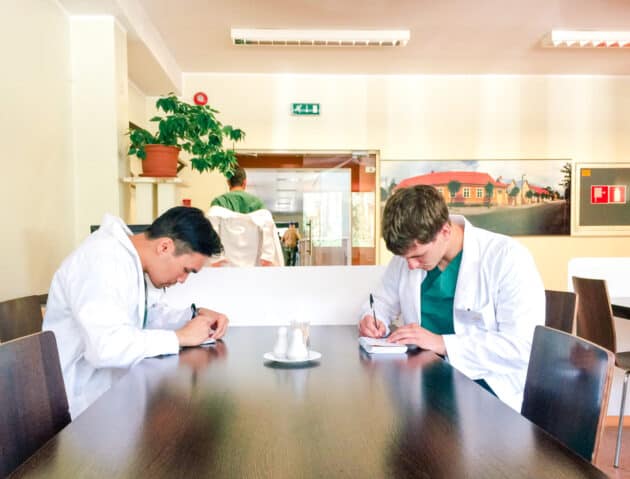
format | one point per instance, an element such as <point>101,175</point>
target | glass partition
<point>318,201</point>
<point>327,218</point>
<point>331,199</point>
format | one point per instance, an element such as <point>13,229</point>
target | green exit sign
<point>305,108</point>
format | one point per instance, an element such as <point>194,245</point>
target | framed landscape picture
<point>513,197</point>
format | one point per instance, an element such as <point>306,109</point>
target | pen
<point>373,312</point>
<point>193,308</point>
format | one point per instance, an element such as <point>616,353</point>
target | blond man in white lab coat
<point>465,293</point>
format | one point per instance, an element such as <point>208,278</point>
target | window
<point>466,192</point>
<point>479,192</point>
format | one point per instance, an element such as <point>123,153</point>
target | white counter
<point>261,296</point>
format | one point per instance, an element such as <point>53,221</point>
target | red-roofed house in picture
<point>513,197</point>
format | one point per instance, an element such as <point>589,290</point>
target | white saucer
<point>312,356</point>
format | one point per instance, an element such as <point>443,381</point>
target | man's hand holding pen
<point>195,331</point>
<point>204,323</point>
<point>218,322</point>
<point>370,326</point>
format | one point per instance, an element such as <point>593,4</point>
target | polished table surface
<point>224,412</point>
<point>621,307</point>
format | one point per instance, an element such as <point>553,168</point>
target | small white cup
<point>282,343</point>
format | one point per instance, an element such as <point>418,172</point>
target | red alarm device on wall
<point>200,98</point>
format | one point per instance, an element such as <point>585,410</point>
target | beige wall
<point>138,115</point>
<point>584,118</point>
<point>64,97</point>
<point>138,106</point>
<point>36,197</point>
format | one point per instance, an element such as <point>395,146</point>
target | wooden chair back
<point>20,317</point>
<point>34,406</point>
<point>561,310</point>
<point>567,389</point>
<point>594,317</point>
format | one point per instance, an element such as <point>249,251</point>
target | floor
<point>607,453</point>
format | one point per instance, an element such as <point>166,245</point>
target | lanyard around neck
<point>144,322</point>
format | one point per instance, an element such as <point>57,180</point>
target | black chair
<point>20,317</point>
<point>561,310</point>
<point>34,406</point>
<point>567,389</point>
<point>595,322</point>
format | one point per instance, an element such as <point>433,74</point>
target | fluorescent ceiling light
<point>587,39</point>
<point>342,38</point>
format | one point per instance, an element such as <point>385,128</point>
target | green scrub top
<point>436,298</point>
<point>239,201</point>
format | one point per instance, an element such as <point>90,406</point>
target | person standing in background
<point>290,240</point>
<point>239,218</point>
<point>237,199</point>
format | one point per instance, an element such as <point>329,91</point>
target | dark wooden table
<point>224,412</point>
<point>621,307</point>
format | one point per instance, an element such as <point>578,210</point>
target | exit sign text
<point>305,108</point>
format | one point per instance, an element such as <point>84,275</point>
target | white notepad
<point>381,346</point>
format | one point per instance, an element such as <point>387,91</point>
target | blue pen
<point>193,308</point>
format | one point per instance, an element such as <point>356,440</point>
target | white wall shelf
<point>153,196</point>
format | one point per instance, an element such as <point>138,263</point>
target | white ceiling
<point>447,36</point>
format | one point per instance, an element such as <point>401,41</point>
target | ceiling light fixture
<point>339,38</point>
<point>587,39</point>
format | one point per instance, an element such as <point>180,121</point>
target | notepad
<point>381,346</point>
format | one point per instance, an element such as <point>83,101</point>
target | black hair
<point>189,229</point>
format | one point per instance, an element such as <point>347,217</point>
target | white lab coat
<point>247,238</point>
<point>96,310</point>
<point>499,300</point>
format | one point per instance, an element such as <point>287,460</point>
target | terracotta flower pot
<point>161,161</point>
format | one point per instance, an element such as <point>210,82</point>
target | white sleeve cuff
<point>159,341</point>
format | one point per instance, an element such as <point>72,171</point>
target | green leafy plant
<point>193,128</point>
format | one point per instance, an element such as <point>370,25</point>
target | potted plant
<point>193,128</point>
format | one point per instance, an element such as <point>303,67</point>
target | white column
<point>144,204</point>
<point>166,197</point>
<point>99,118</point>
